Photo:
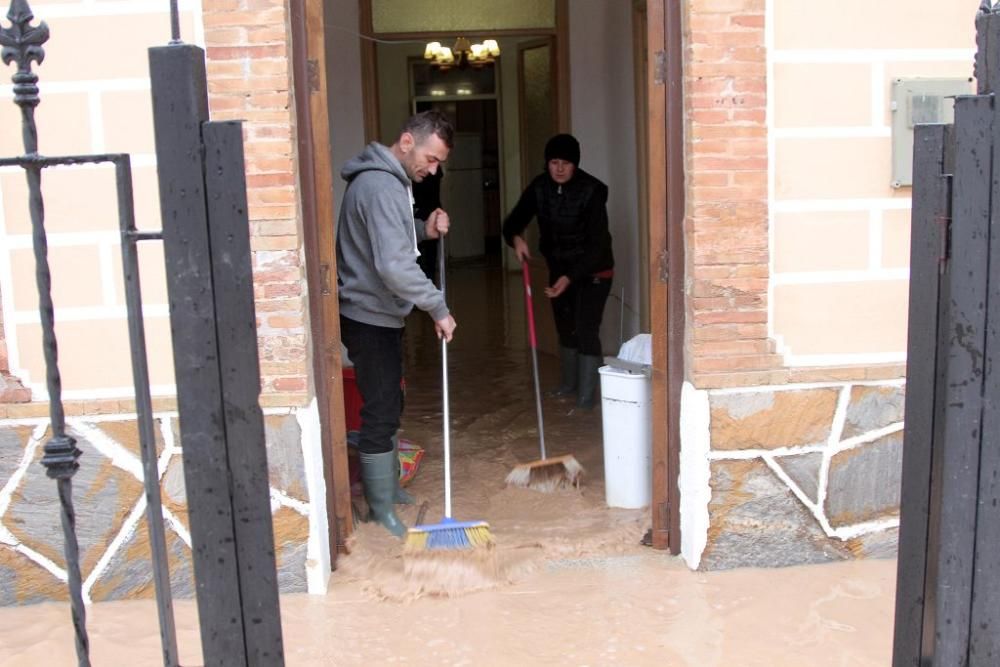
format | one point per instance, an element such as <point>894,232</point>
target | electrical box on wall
<point>916,101</point>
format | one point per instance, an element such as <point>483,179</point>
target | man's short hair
<point>426,123</point>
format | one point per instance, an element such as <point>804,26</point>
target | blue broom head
<point>449,534</point>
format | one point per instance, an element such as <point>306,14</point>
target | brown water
<point>569,582</point>
<point>637,609</point>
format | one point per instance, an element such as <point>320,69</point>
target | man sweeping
<point>379,283</point>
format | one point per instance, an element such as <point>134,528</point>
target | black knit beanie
<point>563,147</point>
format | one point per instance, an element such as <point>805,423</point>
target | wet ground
<point>570,583</point>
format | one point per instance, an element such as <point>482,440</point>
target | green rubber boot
<point>589,381</point>
<point>402,496</point>
<point>378,472</point>
<point>568,361</point>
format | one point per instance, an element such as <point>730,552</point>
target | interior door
<point>537,114</point>
<point>536,93</point>
<point>462,196</point>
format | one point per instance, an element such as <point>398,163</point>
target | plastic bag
<point>638,349</point>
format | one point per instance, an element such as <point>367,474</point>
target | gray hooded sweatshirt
<point>378,278</point>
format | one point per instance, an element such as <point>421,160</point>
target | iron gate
<point>213,325</point>
<point>948,580</point>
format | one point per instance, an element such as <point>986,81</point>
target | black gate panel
<point>948,581</point>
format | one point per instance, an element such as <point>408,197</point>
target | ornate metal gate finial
<point>22,43</point>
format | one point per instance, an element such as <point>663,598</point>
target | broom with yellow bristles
<point>545,474</point>
<point>443,542</point>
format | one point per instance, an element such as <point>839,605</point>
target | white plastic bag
<point>638,349</point>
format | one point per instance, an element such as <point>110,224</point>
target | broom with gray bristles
<point>546,474</point>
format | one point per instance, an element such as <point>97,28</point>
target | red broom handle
<point>534,355</point>
<point>527,303</point>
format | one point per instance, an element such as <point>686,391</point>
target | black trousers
<point>578,312</point>
<point>377,355</point>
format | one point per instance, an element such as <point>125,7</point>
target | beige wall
<point>839,231</point>
<point>105,107</point>
<point>345,103</point>
<point>96,105</point>
<point>602,91</point>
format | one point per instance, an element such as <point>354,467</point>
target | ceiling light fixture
<point>462,54</point>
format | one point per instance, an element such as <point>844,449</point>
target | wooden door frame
<point>664,80</point>
<point>316,190</point>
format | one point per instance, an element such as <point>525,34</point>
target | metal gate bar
<point>144,407</point>
<point>140,374</point>
<point>22,43</point>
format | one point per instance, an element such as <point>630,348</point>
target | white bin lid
<point>613,371</point>
<point>622,366</point>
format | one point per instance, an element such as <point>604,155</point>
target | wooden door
<point>316,183</point>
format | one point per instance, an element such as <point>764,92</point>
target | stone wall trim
<point>866,512</point>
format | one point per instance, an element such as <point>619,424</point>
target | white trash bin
<point>628,437</point>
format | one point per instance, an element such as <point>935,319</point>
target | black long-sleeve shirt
<point>572,224</point>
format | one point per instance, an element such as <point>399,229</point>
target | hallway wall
<point>344,97</point>
<point>602,98</point>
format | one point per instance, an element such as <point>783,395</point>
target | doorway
<point>470,185</point>
<point>373,70</point>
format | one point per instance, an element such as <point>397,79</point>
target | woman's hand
<point>558,287</point>
<point>521,249</point>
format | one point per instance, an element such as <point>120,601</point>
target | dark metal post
<point>22,43</point>
<point>175,23</point>
<point>931,212</point>
<point>236,326</point>
<point>984,640</point>
<point>948,587</point>
<point>962,430</point>
<point>209,281</point>
<point>180,106</point>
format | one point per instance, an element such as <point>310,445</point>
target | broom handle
<point>444,392</point>
<point>534,354</point>
<point>447,438</point>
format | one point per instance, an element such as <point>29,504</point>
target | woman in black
<point>571,208</point>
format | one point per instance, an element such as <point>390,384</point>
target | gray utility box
<point>919,101</point>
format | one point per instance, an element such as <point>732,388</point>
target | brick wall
<point>11,389</point>
<point>727,205</point>
<point>249,78</point>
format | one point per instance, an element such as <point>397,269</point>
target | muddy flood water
<point>572,584</point>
